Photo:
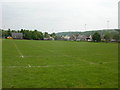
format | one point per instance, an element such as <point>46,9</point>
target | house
<point>81,38</point>
<point>49,38</point>
<point>72,37</point>
<point>66,37</point>
<point>78,37</point>
<point>89,38</point>
<point>17,35</point>
<point>46,38</point>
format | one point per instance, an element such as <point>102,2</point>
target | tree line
<point>37,35</point>
<point>108,37</point>
<point>28,34</point>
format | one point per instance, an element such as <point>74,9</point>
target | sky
<point>59,15</point>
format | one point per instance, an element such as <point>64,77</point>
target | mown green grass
<point>59,64</point>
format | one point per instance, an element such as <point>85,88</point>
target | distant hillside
<point>102,32</point>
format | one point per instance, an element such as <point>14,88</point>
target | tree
<point>108,37</point>
<point>9,32</point>
<point>53,35</point>
<point>46,35</point>
<point>27,34</point>
<point>40,35</point>
<point>37,35</point>
<point>5,33</point>
<point>96,37</point>
<point>116,37</point>
<point>22,31</point>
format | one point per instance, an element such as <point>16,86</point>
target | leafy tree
<point>108,37</point>
<point>40,35</point>
<point>37,35</point>
<point>22,31</point>
<point>28,34</point>
<point>96,37</point>
<point>46,35</point>
<point>9,32</point>
<point>116,37</point>
<point>53,35</point>
<point>34,35</point>
<point>5,34</point>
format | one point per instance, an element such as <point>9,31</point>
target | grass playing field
<point>59,64</point>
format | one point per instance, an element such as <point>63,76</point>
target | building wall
<point>17,35</point>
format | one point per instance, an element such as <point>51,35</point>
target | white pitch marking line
<point>22,56</point>
<point>20,53</point>
<point>29,65</point>
<point>45,66</point>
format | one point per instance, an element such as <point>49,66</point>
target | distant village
<point>66,38</point>
<point>37,35</point>
<point>76,37</point>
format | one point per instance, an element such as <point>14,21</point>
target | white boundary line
<point>45,66</point>
<point>29,66</point>
<point>20,53</point>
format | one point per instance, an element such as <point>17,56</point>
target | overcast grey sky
<point>60,15</point>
